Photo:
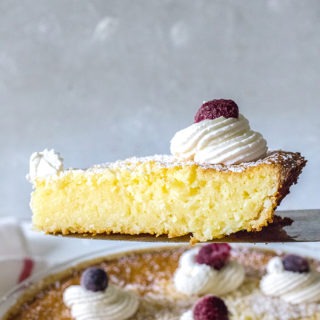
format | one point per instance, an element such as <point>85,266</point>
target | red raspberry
<point>294,263</point>
<point>217,108</point>
<point>210,308</point>
<point>214,254</point>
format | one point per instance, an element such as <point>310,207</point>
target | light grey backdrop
<point>101,80</point>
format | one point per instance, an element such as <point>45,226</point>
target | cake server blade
<point>289,226</point>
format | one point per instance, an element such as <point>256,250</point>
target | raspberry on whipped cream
<point>219,136</point>
<point>193,278</point>
<point>217,108</point>
<point>294,284</point>
<point>215,255</point>
<point>96,299</point>
<point>207,308</point>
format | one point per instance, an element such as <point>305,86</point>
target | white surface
<point>56,249</point>
<point>14,254</point>
<point>12,241</point>
<point>104,80</point>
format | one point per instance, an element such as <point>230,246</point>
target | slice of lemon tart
<point>220,179</point>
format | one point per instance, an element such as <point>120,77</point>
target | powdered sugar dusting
<point>248,302</point>
<point>150,275</point>
<point>288,159</point>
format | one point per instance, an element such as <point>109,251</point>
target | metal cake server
<point>289,226</point>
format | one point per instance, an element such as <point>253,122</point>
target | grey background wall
<point>102,80</point>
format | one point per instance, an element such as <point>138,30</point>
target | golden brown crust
<point>291,165</point>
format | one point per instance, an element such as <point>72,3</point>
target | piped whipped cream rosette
<point>208,270</point>
<point>291,279</point>
<point>96,299</point>
<point>220,135</point>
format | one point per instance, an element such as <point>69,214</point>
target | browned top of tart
<point>149,274</point>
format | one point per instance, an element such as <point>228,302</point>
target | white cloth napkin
<point>16,262</point>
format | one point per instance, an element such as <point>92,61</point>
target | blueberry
<point>294,263</point>
<point>217,108</point>
<point>94,279</point>
<point>210,308</point>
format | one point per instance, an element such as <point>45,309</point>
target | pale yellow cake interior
<point>149,197</point>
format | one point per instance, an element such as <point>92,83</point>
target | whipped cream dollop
<point>114,303</point>
<point>47,162</point>
<point>292,287</point>
<point>192,278</point>
<point>221,140</point>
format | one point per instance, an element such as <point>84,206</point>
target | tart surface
<point>149,273</point>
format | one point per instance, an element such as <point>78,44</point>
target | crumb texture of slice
<point>160,195</point>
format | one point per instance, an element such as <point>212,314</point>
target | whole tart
<point>149,273</point>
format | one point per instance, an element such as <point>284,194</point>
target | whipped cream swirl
<point>292,287</point>
<point>112,304</point>
<point>47,162</point>
<point>192,278</point>
<point>221,140</point>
